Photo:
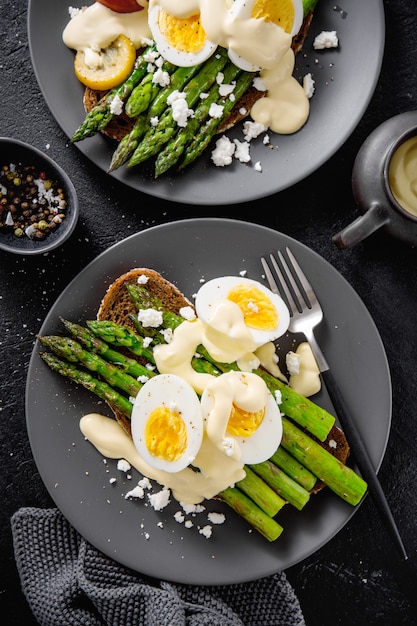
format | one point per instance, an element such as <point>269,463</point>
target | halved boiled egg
<point>180,38</point>
<point>288,14</point>
<point>265,314</point>
<point>167,423</point>
<point>242,417</point>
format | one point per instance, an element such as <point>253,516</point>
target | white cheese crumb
<point>187,312</point>
<point>203,95</point>
<point>167,334</point>
<point>326,39</point>
<point>179,107</point>
<point>136,492</point>
<point>142,279</point>
<point>206,531</point>
<point>160,499</point>
<point>188,524</point>
<point>179,517</point>
<point>192,508</point>
<point>251,130</point>
<point>308,85</point>
<point>112,481</point>
<point>123,465</point>
<point>258,166</point>
<point>216,110</point>
<point>292,361</point>
<point>278,396</point>
<point>150,318</point>
<point>332,443</point>
<point>142,379</point>
<point>161,78</point>
<point>154,121</point>
<point>223,153</point>
<point>242,152</point>
<point>145,483</point>
<point>259,84</point>
<point>226,90</point>
<point>116,105</point>
<point>147,342</point>
<point>216,518</point>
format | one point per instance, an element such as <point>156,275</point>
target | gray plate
<point>74,472</point>
<point>345,81</point>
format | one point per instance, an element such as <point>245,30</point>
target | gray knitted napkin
<point>67,582</point>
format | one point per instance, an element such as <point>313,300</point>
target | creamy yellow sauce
<point>284,109</point>
<point>403,175</point>
<point>307,381</point>
<point>217,471</point>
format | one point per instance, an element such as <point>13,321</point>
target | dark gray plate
<point>74,472</point>
<point>345,81</point>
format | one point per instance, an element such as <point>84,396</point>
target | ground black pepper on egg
<point>30,208</point>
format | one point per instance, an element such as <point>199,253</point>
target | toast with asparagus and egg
<point>197,421</point>
<point>176,99</point>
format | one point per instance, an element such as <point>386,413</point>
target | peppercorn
<point>30,198</point>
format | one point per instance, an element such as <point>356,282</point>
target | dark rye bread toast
<point>121,124</point>
<point>117,305</point>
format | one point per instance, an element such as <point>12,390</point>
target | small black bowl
<point>19,153</point>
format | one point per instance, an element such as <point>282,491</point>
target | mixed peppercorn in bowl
<point>38,202</point>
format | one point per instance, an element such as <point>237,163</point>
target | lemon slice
<point>108,68</point>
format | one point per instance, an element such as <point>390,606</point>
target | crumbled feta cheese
<point>243,273</point>
<point>151,56</point>
<point>136,492</point>
<point>142,379</point>
<point>167,334</point>
<point>188,523</point>
<point>179,107</point>
<point>226,90</point>
<point>192,508</point>
<point>160,499</point>
<point>216,518</point>
<point>258,166</point>
<point>259,84</point>
<point>332,443</point>
<point>278,396</point>
<point>223,153</point>
<point>145,483</point>
<point>116,105</point>
<point>142,279</point>
<point>150,318</point>
<point>123,465</point>
<point>219,78</point>
<point>179,517</point>
<point>147,342</point>
<point>308,85</point>
<point>292,361</point>
<point>154,121</point>
<point>326,39</point>
<point>187,312</point>
<point>203,95</point>
<point>251,130</point>
<point>216,110</point>
<point>161,78</point>
<point>206,531</point>
<point>242,153</point>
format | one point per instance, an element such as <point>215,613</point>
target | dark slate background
<point>357,578</point>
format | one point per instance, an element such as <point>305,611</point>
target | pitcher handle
<point>373,219</point>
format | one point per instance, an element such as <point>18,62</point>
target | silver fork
<point>306,313</point>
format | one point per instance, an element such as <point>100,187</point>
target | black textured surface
<point>357,578</point>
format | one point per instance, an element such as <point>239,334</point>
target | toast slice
<point>116,306</point>
<point>121,124</point>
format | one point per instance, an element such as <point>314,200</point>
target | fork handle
<point>362,458</point>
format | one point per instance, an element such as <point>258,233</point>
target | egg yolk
<point>258,311</point>
<point>186,35</point>
<point>244,423</point>
<point>280,13</point>
<point>166,434</point>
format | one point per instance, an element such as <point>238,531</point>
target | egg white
<point>168,390</point>
<point>217,289</point>
<point>172,54</point>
